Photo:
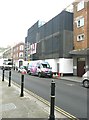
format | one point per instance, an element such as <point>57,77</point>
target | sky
<point>17,16</point>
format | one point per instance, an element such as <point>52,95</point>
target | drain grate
<point>7,107</point>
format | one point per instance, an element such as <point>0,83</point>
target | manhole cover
<point>7,107</point>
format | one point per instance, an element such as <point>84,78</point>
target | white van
<point>41,69</point>
<point>85,79</point>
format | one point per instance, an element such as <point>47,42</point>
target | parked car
<point>85,79</point>
<point>22,69</point>
<point>41,69</point>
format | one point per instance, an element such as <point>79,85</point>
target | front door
<point>20,63</point>
<point>80,66</point>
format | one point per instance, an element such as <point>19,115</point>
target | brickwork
<point>17,50</point>
<point>81,30</point>
<point>88,24</point>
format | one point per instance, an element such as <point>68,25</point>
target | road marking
<point>70,84</point>
<point>71,117</point>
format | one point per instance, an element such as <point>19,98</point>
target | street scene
<point>45,74</point>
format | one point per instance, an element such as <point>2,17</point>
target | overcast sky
<point>17,16</point>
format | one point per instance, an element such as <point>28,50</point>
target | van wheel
<point>86,84</point>
<point>50,76</point>
<point>29,73</point>
<point>39,74</point>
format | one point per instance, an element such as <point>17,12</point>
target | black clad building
<point>54,39</point>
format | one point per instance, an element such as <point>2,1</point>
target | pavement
<point>69,78</point>
<point>28,106</point>
<point>72,78</point>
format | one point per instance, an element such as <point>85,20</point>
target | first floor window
<point>21,54</point>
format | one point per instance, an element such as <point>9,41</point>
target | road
<point>70,96</point>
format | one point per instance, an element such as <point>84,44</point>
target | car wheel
<point>86,83</point>
<point>39,74</point>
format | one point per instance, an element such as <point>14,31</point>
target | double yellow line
<point>71,117</point>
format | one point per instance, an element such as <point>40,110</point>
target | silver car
<point>85,79</point>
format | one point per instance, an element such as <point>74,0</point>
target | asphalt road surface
<point>70,96</point>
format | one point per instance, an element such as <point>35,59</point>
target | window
<point>80,6</point>
<point>80,22</point>
<point>80,37</point>
<point>14,49</point>
<point>14,56</point>
<point>17,48</point>
<point>21,47</point>
<point>17,54</point>
<point>21,54</point>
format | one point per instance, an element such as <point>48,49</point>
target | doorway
<point>20,63</point>
<point>80,66</point>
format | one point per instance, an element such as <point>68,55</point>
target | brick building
<point>18,54</point>
<point>80,50</point>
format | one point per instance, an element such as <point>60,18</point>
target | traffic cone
<point>58,74</point>
<point>53,75</point>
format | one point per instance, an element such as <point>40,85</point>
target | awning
<point>80,52</point>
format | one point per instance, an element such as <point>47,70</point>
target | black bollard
<point>52,104</point>
<point>3,74</point>
<point>22,85</point>
<point>9,78</point>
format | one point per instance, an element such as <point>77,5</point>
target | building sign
<point>32,49</point>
